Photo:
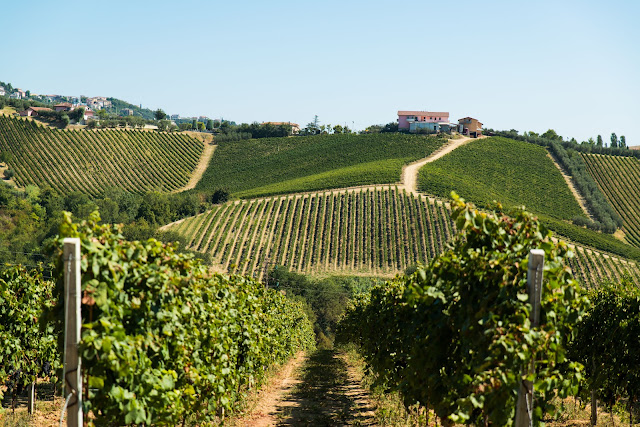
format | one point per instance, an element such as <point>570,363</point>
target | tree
<point>209,124</point>
<point>194,124</point>
<point>551,134</point>
<point>338,129</point>
<point>91,124</point>
<point>390,127</point>
<point>159,114</point>
<point>599,143</point>
<point>614,140</point>
<point>163,125</point>
<point>28,93</point>
<point>5,157</point>
<point>9,173</point>
<point>623,141</point>
<point>200,126</point>
<point>184,126</point>
<point>65,120</point>
<point>591,141</point>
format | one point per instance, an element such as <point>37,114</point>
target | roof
<point>40,109</point>
<point>64,104</point>
<point>470,118</point>
<point>422,113</point>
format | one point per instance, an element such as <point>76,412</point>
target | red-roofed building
<point>65,106</point>
<point>33,111</point>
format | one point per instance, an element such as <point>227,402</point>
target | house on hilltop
<point>413,121</point>
<point>471,127</point>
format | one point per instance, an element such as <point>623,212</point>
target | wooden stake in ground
<point>524,408</point>
<point>73,321</point>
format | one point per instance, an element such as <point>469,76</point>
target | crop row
<point>619,179</point>
<point>370,230</point>
<point>374,231</point>
<point>592,268</point>
<point>91,161</point>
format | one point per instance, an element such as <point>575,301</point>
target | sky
<point>572,66</point>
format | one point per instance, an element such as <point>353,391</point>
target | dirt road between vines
<point>318,389</point>
<point>409,178</point>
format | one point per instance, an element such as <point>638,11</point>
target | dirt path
<point>581,201</point>
<point>318,390</point>
<point>201,167</point>
<point>409,178</point>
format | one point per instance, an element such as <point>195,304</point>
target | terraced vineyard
<point>377,231</point>
<point>619,179</point>
<point>90,161</point>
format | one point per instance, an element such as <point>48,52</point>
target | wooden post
<point>73,322</point>
<point>524,408</point>
<point>31,390</point>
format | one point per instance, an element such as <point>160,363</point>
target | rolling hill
<point>512,172</point>
<point>379,231</point>
<point>90,161</point>
<point>269,166</point>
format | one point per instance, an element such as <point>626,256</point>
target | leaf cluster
<point>457,336</point>
<point>29,344</point>
<point>607,343</point>
<point>163,339</point>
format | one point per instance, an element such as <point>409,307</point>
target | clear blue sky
<point>573,66</point>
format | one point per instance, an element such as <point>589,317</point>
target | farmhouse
<point>429,120</point>
<point>471,127</point>
<point>65,106</point>
<point>33,111</point>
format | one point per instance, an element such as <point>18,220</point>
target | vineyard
<point>513,172</point>
<point>269,166</point>
<point>619,179</point>
<point>377,230</point>
<point>91,161</point>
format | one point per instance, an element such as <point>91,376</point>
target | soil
<point>315,390</point>
<point>205,158</point>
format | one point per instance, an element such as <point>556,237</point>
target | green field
<point>512,172</point>
<point>270,166</point>
<point>619,179</point>
<point>91,161</point>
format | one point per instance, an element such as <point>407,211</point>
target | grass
<point>281,165</point>
<point>513,172</point>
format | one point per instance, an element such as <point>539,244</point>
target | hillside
<point>271,166</point>
<point>619,179</point>
<point>378,231</point>
<point>512,172</point>
<point>90,161</point>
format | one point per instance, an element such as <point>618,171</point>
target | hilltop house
<point>126,112</point>
<point>471,127</point>
<point>430,120</point>
<point>33,111</point>
<point>2,92</point>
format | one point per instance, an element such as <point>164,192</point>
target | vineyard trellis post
<point>524,408</point>
<point>31,402</point>
<point>72,324</point>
